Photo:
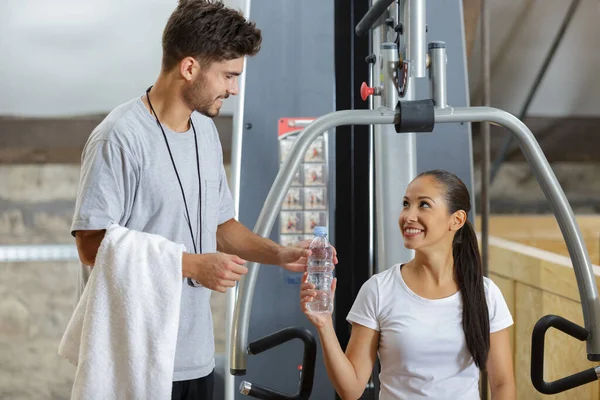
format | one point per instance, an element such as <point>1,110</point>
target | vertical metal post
<point>234,184</point>
<point>485,156</point>
<point>395,166</point>
<point>376,35</point>
<point>416,49</point>
<point>437,74</point>
<point>389,66</point>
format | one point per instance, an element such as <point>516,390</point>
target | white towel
<point>123,332</point>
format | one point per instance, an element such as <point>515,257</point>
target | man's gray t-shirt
<point>127,177</point>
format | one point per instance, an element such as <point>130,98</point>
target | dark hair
<point>209,32</point>
<point>468,270</point>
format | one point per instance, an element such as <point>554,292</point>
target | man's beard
<point>196,97</point>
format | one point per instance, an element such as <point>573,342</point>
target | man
<point>155,165</point>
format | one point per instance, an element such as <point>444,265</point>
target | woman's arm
<point>500,367</point>
<point>349,372</point>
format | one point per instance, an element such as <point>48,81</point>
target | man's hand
<point>294,258</point>
<point>215,271</point>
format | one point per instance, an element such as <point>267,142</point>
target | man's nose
<point>233,89</point>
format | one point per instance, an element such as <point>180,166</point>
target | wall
<point>543,232</point>
<point>37,299</point>
<point>68,58</point>
<point>520,35</point>
<point>74,50</point>
<point>537,283</point>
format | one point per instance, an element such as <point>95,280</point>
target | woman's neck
<point>437,267</point>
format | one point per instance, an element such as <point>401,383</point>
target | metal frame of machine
<point>400,62</point>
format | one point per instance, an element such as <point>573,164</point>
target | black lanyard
<point>179,179</point>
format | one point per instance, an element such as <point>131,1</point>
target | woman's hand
<point>307,293</point>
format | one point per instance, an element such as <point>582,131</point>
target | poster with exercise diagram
<point>305,206</point>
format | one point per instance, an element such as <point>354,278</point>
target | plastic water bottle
<point>320,272</point>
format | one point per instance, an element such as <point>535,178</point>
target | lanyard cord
<point>189,221</point>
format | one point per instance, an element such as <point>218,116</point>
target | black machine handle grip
<point>371,17</point>
<point>537,356</point>
<point>308,364</point>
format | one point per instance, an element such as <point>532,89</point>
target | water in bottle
<point>320,272</point>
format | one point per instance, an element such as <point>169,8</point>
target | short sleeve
<point>364,311</point>
<point>106,186</point>
<point>500,317</point>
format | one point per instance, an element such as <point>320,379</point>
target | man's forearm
<point>235,238</point>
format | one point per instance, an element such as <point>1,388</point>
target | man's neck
<point>168,105</point>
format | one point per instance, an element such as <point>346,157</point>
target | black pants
<point>195,389</point>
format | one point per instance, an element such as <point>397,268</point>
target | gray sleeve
<point>106,186</point>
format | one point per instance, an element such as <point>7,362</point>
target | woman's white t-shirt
<point>422,346</point>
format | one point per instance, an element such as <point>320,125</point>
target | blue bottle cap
<point>320,231</point>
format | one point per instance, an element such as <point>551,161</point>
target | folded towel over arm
<point>123,332</point>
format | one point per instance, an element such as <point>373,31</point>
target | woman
<point>435,321</point>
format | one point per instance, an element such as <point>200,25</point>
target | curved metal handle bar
<point>239,333</point>
<point>537,356</point>
<point>534,155</point>
<point>308,364</point>
<point>582,265</point>
<point>374,13</point>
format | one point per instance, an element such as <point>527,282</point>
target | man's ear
<point>188,68</point>
<point>458,219</point>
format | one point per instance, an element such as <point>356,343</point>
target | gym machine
<point>397,116</point>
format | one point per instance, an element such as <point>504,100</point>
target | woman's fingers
<point>303,303</point>
<point>306,289</point>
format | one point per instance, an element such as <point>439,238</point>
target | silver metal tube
<point>402,39</point>
<point>486,143</point>
<point>485,158</point>
<point>389,66</point>
<point>390,35</point>
<point>376,38</point>
<point>416,50</point>
<point>437,74</point>
<point>562,210</point>
<point>395,168</point>
<point>234,185</point>
<point>268,215</point>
